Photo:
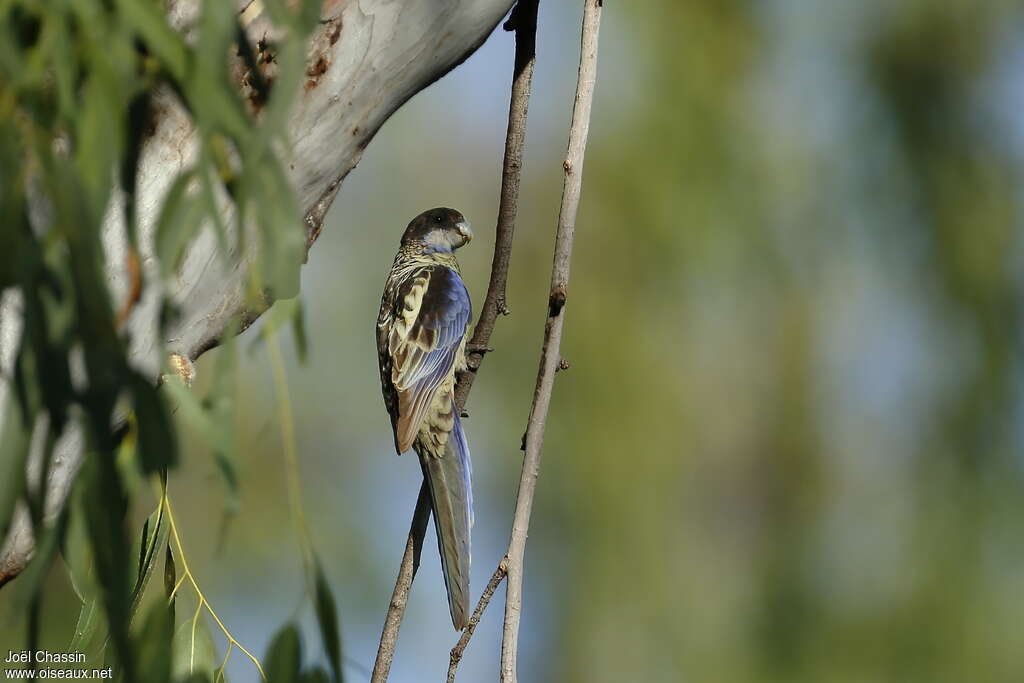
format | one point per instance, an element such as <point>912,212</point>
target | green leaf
<point>153,645</point>
<point>290,55</point>
<point>197,677</point>
<point>299,331</point>
<point>87,626</point>
<point>299,21</point>
<point>153,540</point>
<point>193,649</point>
<point>213,422</point>
<point>188,407</point>
<point>181,217</point>
<point>283,246</point>
<point>105,507</point>
<point>208,175</point>
<point>147,18</point>
<point>214,98</point>
<point>284,657</point>
<point>14,441</point>
<point>100,135</point>
<point>279,13</point>
<point>291,58</point>
<point>317,675</point>
<point>327,618</point>
<point>78,558</point>
<point>170,580</point>
<point>64,68</point>
<point>143,545</point>
<point>15,229</point>
<point>282,312</point>
<point>157,445</point>
<point>219,404</point>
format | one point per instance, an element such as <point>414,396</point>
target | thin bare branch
<point>524,22</point>
<point>407,572</point>
<point>460,647</point>
<point>550,358</point>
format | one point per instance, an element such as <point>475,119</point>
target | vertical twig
<point>523,21</point>
<point>552,334</point>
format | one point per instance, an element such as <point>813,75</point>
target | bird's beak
<point>464,230</point>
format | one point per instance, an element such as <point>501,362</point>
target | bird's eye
<point>437,219</point>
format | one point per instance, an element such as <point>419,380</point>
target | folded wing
<point>434,310</point>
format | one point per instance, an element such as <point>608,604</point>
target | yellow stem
<point>174,592</point>
<point>224,662</point>
<point>192,642</point>
<point>203,602</point>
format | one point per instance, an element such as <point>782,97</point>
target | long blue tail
<point>451,497</point>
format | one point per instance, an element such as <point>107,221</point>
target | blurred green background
<point>789,447</point>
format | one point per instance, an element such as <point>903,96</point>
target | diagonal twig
<point>524,22</point>
<point>485,599</point>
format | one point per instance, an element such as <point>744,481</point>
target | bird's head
<point>438,230</point>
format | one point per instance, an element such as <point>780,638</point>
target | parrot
<point>421,340</point>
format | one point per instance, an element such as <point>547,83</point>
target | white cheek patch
<point>438,241</point>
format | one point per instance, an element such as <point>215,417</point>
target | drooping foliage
<point>82,87</point>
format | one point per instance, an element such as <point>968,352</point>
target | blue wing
<point>451,496</point>
<point>434,310</point>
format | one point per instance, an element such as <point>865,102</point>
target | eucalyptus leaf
<point>190,408</point>
<point>77,554</point>
<point>196,677</point>
<point>214,98</point>
<point>284,657</point>
<point>299,332</point>
<point>170,580</point>
<point>148,19</point>
<point>105,507</point>
<point>64,68</point>
<point>153,644</point>
<point>193,649</point>
<point>211,203</point>
<point>282,231</point>
<point>180,219</point>
<point>213,423</point>
<point>14,443</point>
<point>157,446</point>
<point>282,313</point>
<point>152,542</point>
<point>327,618</point>
<point>315,675</point>
<point>100,127</point>
<point>90,619</point>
